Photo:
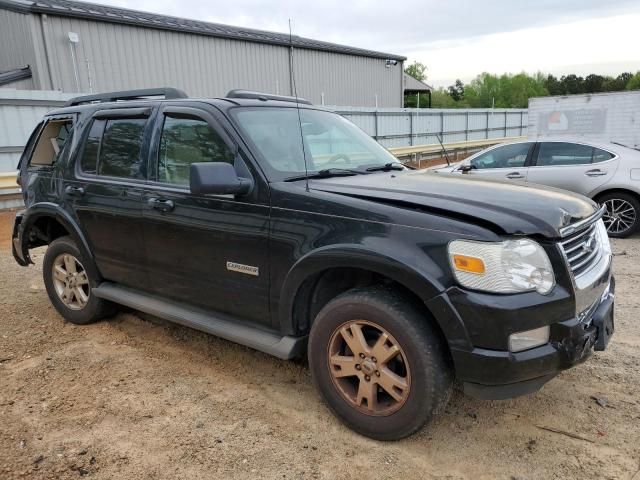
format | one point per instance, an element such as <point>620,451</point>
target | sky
<point>455,38</point>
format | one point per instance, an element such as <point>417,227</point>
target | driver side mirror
<point>217,178</point>
<point>466,168</point>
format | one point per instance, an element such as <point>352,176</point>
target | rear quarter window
<point>600,155</point>
<point>52,142</point>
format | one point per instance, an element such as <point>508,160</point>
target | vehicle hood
<point>506,207</point>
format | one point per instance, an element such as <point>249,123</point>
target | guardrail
<point>8,181</point>
<point>423,156</point>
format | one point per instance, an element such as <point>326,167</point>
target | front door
<point>572,166</point>
<point>209,251</point>
<point>505,162</point>
<point>106,191</point>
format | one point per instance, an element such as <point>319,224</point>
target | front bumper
<point>499,374</point>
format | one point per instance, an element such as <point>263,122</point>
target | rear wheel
<point>69,284</point>
<point>622,215</point>
<point>379,363</point>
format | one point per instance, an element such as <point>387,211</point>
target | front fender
<point>422,278</point>
<point>51,210</point>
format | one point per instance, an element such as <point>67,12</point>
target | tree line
<point>514,90</point>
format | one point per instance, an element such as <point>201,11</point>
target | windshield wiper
<point>386,167</point>
<point>326,173</point>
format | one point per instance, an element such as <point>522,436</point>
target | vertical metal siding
<point>16,45</point>
<point>19,114</point>
<point>24,84</point>
<point>122,57</point>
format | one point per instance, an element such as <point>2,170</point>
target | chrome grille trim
<point>574,227</point>
<point>582,250</point>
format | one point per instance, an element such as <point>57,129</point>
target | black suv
<point>279,225</point>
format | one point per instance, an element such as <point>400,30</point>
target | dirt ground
<point>130,399</point>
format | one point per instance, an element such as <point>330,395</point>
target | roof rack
<point>265,96</point>
<point>166,92</point>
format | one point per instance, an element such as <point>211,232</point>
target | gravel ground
<point>127,398</point>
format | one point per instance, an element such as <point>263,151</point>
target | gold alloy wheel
<point>369,367</point>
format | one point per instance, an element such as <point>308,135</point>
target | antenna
<point>295,94</point>
<point>444,150</point>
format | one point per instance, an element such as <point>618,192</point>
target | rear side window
<point>113,148</point>
<point>564,153</point>
<point>55,136</point>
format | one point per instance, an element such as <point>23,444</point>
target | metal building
<point>83,47</point>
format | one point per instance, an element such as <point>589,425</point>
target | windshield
<point>330,141</point>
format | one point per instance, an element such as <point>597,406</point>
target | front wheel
<point>379,363</point>
<point>622,215</point>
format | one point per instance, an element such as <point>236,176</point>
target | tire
<point>422,364</point>
<point>70,303</point>
<point>615,222</point>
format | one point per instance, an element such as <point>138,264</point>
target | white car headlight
<point>512,266</point>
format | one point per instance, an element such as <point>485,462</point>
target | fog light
<point>531,338</point>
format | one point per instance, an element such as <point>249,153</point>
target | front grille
<point>582,250</point>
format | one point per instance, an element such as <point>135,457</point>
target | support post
<point>466,128</point>
<point>375,124</point>
<point>487,135</point>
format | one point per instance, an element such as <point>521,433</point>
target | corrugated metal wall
<point>117,57</point>
<point>20,112</point>
<point>410,126</point>
<point>347,79</point>
<point>24,84</point>
<point>16,44</point>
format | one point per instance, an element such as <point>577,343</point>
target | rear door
<point>572,166</point>
<point>209,251</point>
<point>505,162</point>
<point>106,191</point>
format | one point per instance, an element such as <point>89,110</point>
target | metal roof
<point>14,75</point>
<point>103,13</point>
<point>413,85</point>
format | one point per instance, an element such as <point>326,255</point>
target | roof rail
<point>166,92</point>
<point>265,96</point>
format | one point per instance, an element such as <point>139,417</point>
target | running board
<point>220,325</point>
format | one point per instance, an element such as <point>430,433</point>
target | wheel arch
<point>609,189</point>
<point>43,222</point>
<point>325,273</point>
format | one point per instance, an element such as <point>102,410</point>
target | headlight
<point>511,266</point>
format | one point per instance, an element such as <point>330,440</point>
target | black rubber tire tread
<point>426,352</point>
<point>627,198</point>
<point>95,309</point>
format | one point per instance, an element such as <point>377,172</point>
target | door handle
<point>515,175</point>
<point>162,205</point>
<point>74,191</point>
<point>595,173</point>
